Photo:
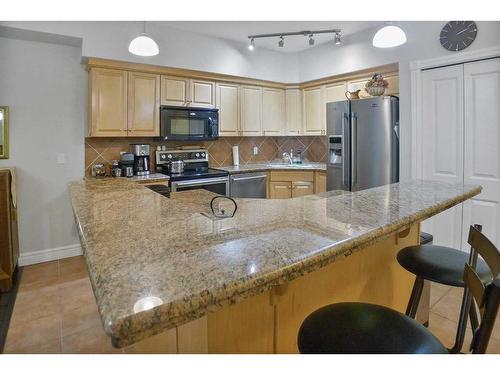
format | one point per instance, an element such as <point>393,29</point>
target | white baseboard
<point>40,256</point>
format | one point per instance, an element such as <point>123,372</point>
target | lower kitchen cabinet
<point>319,182</point>
<point>280,190</point>
<point>290,184</point>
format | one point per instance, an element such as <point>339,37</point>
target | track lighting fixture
<point>338,39</point>
<point>281,43</point>
<point>306,33</point>
<point>143,45</point>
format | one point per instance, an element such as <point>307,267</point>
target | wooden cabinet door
<point>359,84</point>
<point>293,107</point>
<point>273,111</point>
<point>108,103</point>
<point>228,103</point>
<point>314,113</point>
<point>280,190</point>
<point>301,188</point>
<point>482,151</point>
<point>335,92</point>
<point>143,104</point>
<point>441,156</point>
<point>251,110</point>
<point>393,88</point>
<point>202,94</point>
<point>319,182</point>
<point>174,91</point>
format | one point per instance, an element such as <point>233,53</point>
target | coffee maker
<point>141,159</point>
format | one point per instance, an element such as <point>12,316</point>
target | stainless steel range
<point>195,175</point>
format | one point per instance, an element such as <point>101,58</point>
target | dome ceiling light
<point>307,33</point>
<point>143,45</point>
<point>389,36</point>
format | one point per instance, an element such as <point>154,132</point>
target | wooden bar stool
<point>362,328</point>
<point>443,265</point>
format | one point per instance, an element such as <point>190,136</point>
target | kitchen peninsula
<point>170,277</point>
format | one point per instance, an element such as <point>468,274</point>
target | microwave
<point>188,124</point>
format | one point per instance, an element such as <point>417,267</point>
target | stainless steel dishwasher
<point>248,185</point>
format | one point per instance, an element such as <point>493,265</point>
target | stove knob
<point>197,154</point>
<point>169,156</point>
<point>203,154</point>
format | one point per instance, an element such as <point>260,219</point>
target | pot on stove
<point>177,166</point>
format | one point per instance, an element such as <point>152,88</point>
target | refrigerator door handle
<point>345,156</point>
<point>354,149</point>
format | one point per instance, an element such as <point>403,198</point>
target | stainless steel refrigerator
<point>363,143</point>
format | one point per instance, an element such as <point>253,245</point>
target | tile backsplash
<point>104,150</point>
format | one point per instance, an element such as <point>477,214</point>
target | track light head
<point>251,46</point>
<point>337,39</point>
<point>311,40</point>
<point>281,43</point>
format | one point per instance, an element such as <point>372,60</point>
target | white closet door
<point>482,146</point>
<point>442,144</point>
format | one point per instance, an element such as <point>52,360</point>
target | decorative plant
<point>377,81</point>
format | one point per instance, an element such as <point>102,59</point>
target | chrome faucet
<point>288,157</point>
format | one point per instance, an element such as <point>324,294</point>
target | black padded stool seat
<point>440,264</point>
<point>363,328</point>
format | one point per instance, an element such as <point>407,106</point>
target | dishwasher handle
<point>248,178</point>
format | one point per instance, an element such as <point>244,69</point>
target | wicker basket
<point>375,90</point>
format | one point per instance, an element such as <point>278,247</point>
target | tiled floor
<point>55,312</point>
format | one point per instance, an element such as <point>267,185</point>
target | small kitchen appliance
<point>196,173</point>
<point>141,158</point>
<point>127,164</point>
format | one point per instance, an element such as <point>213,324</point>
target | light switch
<point>61,158</point>
<point>255,150</point>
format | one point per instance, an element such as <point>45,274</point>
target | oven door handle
<point>206,181</point>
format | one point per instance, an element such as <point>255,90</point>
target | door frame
<point>416,68</point>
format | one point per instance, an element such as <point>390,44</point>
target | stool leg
<point>416,293</point>
<point>462,322</point>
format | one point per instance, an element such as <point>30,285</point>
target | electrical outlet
<point>255,150</point>
<point>61,159</point>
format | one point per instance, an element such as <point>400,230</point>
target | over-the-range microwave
<point>188,124</point>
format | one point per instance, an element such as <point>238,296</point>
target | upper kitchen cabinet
<point>174,91</point>
<point>251,110</point>
<point>273,111</point>
<point>108,102</point>
<point>335,92</point>
<point>314,111</point>
<point>228,103</point>
<point>293,107</point>
<point>185,92</point>
<point>143,104</point>
<point>202,94</point>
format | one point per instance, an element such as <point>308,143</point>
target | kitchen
<point>195,206</point>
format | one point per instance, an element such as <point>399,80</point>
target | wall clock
<point>458,35</point>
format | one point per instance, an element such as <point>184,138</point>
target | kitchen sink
<point>291,166</point>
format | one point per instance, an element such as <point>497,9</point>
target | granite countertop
<point>152,177</point>
<point>156,263</point>
<point>246,168</point>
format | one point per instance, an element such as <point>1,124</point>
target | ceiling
<point>239,31</point>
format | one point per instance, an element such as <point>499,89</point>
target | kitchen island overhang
<point>187,267</point>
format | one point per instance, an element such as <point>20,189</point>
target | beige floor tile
<point>39,275</point>
<point>52,346</point>
<point>438,291</point>
<point>37,335</point>
<point>75,294</point>
<point>80,319</point>
<point>493,347</point>
<point>73,268</point>
<point>449,306</point>
<point>32,304</point>
<point>91,341</point>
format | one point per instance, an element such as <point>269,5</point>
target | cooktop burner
<point>196,174</point>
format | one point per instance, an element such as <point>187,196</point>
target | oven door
<point>218,185</point>
<point>188,124</point>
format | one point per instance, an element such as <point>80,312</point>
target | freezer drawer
<point>248,185</point>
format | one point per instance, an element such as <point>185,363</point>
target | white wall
<point>45,87</point>
<point>358,53</point>
<point>178,48</point>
